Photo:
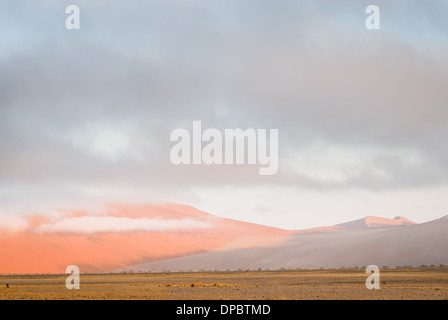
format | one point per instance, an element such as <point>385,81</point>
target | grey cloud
<point>300,67</point>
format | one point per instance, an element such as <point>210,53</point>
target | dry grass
<point>409,283</point>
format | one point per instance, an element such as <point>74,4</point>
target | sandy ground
<point>398,284</point>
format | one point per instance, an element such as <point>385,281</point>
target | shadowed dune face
<point>121,236</point>
<point>413,244</point>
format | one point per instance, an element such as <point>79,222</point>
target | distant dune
<point>178,237</point>
<point>376,222</point>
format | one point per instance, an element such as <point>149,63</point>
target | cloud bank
<point>85,116</point>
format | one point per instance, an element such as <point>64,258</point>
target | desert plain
<point>424,283</point>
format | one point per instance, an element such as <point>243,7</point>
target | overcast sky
<point>86,115</point>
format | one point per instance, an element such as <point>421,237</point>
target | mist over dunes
<point>178,237</point>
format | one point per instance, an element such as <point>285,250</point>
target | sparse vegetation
<point>340,284</point>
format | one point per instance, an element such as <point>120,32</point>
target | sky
<point>86,115</point>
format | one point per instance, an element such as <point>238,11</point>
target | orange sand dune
<point>41,248</point>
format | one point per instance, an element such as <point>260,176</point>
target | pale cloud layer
<point>94,224</point>
<point>85,116</point>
